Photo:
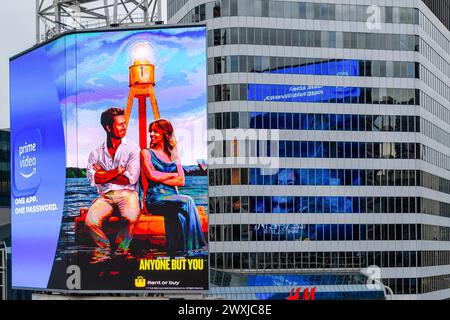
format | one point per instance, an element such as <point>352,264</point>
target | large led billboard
<point>109,171</point>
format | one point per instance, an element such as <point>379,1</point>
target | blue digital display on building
<point>307,93</point>
<point>356,284</point>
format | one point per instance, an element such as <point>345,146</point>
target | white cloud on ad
<point>190,131</point>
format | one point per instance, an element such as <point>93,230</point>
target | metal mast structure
<point>57,16</point>
<point>3,271</point>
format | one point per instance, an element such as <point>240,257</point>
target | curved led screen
<point>109,171</point>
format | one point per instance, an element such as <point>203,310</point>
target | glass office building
<point>5,171</point>
<point>4,210</point>
<point>441,8</point>
<point>5,188</point>
<point>342,153</point>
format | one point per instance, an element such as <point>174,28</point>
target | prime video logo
<point>27,151</point>
<point>27,160</point>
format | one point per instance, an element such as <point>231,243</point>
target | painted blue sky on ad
<point>91,74</point>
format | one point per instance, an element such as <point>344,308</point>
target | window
<point>280,37</point>
<point>242,35</point>
<point>290,10</point>
<point>331,11</point>
<point>396,15</point>
<point>405,15</point>
<point>324,12</point>
<point>234,35</point>
<point>245,8</point>
<point>242,63</point>
<point>361,13</point>
<point>331,39</point>
<point>276,9</point>
<point>264,8</point>
<point>338,12</point>
<point>309,10</point>
<point>347,40</point>
<point>388,15</point>
<point>339,40</point>
<point>234,64</point>
<point>250,36</point>
<point>353,13</point>
<point>265,36</point>
<point>345,12</point>
<point>403,42</point>
<point>360,41</point>
<point>288,38</point>
<point>217,9</point>
<point>273,37</point>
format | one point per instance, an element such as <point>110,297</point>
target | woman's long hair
<point>170,142</point>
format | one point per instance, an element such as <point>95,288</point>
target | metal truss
<point>54,17</point>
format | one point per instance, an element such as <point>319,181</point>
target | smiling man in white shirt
<point>113,168</point>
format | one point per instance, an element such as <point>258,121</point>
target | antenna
<point>54,17</point>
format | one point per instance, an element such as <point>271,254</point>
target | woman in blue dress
<point>162,173</point>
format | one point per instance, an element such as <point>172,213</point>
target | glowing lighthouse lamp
<point>142,86</point>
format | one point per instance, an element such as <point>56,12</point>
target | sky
<point>17,33</point>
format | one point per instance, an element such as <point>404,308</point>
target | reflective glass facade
<point>311,66</point>
<point>5,171</point>
<point>310,38</point>
<point>329,140</point>
<point>293,10</point>
<point>440,8</point>
<point>297,204</point>
<point>313,121</point>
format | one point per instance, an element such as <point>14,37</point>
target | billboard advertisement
<point>109,171</point>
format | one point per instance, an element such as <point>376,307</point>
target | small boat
<point>148,228</point>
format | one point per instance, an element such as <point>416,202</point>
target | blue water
<point>80,194</point>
